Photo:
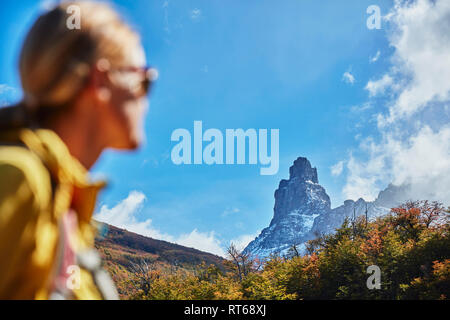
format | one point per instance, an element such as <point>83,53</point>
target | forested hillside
<point>410,246</point>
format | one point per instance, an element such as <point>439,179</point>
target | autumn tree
<point>241,262</point>
<point>143,275</point>
<point>411,246</point>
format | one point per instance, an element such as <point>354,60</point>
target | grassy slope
<point>120,248</point>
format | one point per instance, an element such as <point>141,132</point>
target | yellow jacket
<point>38,182</point>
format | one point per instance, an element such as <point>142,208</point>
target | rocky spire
<point>302,210</point>
<point>301,192</point>
<point>298,201</point>
<point>302,169</point>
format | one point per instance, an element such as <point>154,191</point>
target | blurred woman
<point>85,90</point>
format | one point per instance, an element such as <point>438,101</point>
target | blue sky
<point>236,64</point>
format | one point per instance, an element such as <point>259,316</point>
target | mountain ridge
<point>303,210</point>
<point>161,250</point>
<point>122,250</point>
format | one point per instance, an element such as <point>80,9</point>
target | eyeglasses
<point>148,76</point>
<point>139,80</point>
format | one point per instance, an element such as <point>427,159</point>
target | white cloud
<point>347,77</point>
<point>242,241</point>
<point>230,210</point>
<point>204,241</point>
<point>195,14</point>
<point>379,86</point>
<point>361,108</point>
<point>337,169</point>
<point>424,162</point>
<point>364,176</point>
<point>375,57</point>
<point>421,39</point>
<point>123,215</point>
<point>412,145</point>
<point>421,161</point>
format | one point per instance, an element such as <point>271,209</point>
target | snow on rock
<point>303,210</point>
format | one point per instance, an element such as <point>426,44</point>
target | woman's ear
<point>99,80</point>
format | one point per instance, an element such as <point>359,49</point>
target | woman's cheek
<point>135,118</point>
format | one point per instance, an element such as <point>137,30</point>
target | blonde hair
<point>55,60</point>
